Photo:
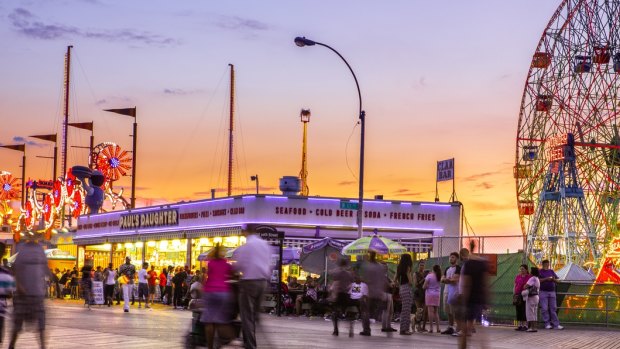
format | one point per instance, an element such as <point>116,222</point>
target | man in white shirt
<point>358,292</point>
<point>109,279</point>
<point>253,262</point>
<point>143,286</point>
<point>451,291</point>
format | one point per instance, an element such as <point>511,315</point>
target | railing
<point>589,309</point>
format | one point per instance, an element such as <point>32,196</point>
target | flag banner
<point>445,170</point>
<point>82,125</point>
<point>49,138</point>
<point>20,147</point>
<point>124,111</point>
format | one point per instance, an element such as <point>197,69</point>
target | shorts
<point>152,289</point>
<point>143,290</point>
<point>473,312</point>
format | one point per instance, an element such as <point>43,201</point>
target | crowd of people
<point>222,291</point>
<point>364,290</point>
<point>171,285</point>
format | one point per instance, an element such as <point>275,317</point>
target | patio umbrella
<point>321,256</point>
<point>376,243</point>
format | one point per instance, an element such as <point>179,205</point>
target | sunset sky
<point>439,79</point>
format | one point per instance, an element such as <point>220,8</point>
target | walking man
<point>548,302</point>
<point>374,275</point>
<point>128,272</point>
<point>30,270</point>
<point>451,280</point>
<point>341,282</point>
<point>253,262</point>
<point>473,294</point>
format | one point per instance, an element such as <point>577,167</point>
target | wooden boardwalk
<point>70,326</point>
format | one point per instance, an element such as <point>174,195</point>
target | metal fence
<point>441,246</point>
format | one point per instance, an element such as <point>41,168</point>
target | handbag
<point>517,299</point>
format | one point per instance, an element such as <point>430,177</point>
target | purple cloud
<point>180,92</point>
<point>29,25</point>
<point>20,139</point>
<point>238,23</point>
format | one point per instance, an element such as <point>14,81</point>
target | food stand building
<point>176,234</point>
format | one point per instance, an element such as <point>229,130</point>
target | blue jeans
<point>548,308</point>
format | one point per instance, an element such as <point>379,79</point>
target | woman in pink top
<point>217,313</point>
<point>520,281</point>
<point>432,292</point>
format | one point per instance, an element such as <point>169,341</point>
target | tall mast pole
<point>133,158</point>
<point>65,126</point>
<point>231,128</point>
<point>24,192</point>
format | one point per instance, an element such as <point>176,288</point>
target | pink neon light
<point>235,225</point>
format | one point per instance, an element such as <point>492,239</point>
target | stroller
<point>197,336</point>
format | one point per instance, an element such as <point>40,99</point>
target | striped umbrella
<point>377,243</point>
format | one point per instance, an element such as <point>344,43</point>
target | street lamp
<point>301,42</point>
<point>255,178</point>
<point>131,112</point>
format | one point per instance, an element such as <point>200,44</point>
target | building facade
<point>176,234</point>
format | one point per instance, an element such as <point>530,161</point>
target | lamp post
<point>301,42</point>
<point>255,178</point>
<point>131,112</point>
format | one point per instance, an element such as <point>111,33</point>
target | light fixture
<point>151,243</point>
<point>139,244</point>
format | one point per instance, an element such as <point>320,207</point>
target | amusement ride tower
<point>303,174</point>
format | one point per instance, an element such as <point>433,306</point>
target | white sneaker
<point>548,327</point>
<point>560,327</point>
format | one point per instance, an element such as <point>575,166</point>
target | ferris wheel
<point>567,166</point>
